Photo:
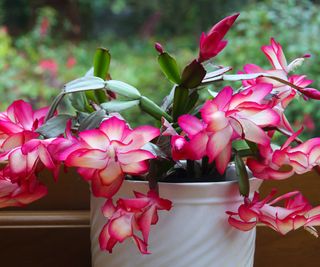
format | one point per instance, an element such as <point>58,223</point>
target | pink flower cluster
<point>106,155</point>
<point>22,154</point>
<point>103,156</point>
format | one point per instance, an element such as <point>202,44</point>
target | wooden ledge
<point>45,219</point>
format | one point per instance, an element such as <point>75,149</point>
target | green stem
<point>153,109</point>
<point>54,106</point>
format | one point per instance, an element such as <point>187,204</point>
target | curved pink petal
<point>243,226</point>
<point>114,128</point>
<point>190,124</point>
<point>17,139</point>
<point>222,160</point>
<point>284,226</point>
<point>18,161</point>
<point>197,146</point>
<point>87,158</point>
<point>106,191</point>
<point>223,98</point>
<point>218,141</point>
<point>267,117</point>
<point>134,156</point>
<point>106,243</point>
<point>254,133</point>
<point>9,127</point>
<point>95,139</point>
<point>218,121</point>
<point>21,112</point>
<point>135,168</point>
<point>140,136</point>
<point>275,55</point>
<point>108,208</point>
<point>133,204</point>
<point>142,246</point>
<point>254,94</point>
<point>110,173</point>
<point>40,114</point>
<point>121,228</point>
<point>207,110</point>
<point>145,222</point>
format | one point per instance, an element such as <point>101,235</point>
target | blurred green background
<point>46,43</point>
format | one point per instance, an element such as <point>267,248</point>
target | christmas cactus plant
<point>191,140</point>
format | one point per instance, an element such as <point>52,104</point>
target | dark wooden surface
<point>54,232</point>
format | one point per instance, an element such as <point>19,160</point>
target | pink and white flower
<point>26,160</point>
<point>19,193</point>
<point>130,216</point>
<point>19,123</point>
<point>283,162</point>
<point>106,154</point>
<point>296,213</point>
<point>225,118</point>
<point>281,69</point>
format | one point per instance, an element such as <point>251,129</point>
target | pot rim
<point>194,184</point>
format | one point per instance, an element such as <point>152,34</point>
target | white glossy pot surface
<point>195,233</point>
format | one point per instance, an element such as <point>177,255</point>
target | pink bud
<point>158,47</point>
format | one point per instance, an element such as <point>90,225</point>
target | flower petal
<point>87,158</point>
<point>218,142</point>
<point>134,156</point>
<point>95,139</point>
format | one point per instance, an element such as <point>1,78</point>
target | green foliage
<point>134,59</point>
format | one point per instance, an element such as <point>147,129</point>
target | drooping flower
<point>130,216</point>
<point>283,162</point>
<point>19,193</point>
<point>212,44</point>
<point>296,213</point>
<point>24,161</point>
<point>106,154</point>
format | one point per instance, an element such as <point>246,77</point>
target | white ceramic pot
<point>195,233</point>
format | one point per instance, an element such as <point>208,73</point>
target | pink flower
<point>26,160</point>
<point>20,193</point>
<point>71,61</point>
<point>129,216</point>
<point>44,26</point>
<point>19,123</point>
<point>281,69</point>
<point>308,122</point>
<point>49,65</point>
<point>296,213</point>
<point>282,163</point>
<point>106,154</point>
<point>225,118</point>
<point>212,43</point>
